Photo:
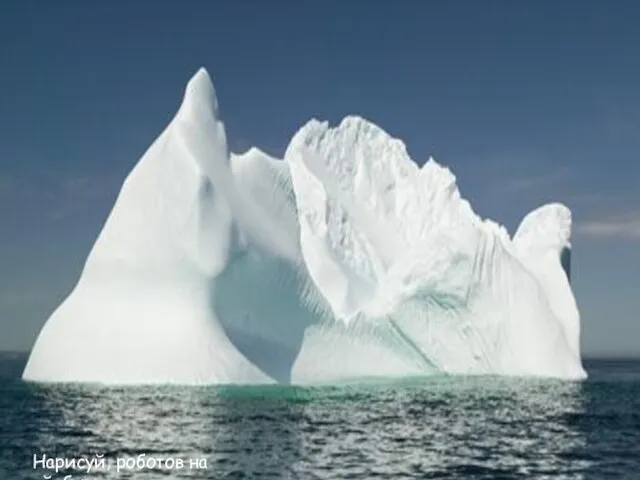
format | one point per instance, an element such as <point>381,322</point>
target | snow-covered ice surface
<point>346,260</point>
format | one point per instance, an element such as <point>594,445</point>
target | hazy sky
<point>527,102</point>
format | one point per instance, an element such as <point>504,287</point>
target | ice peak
<point>437,175</point>
<point>361,126</point>
<point>251,151</point>
<point>548,226</point>
<point>199,95</point>
<point>353,127</point>
<point>432,165</point>
<point>199,82</point>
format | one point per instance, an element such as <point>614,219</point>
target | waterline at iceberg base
<point>342,261</point>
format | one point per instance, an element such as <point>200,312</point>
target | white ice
<point>345,260</point>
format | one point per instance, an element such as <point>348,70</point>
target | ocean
<point>436,427</point>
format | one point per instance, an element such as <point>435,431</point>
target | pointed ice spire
<point>199,124</point>
<point>199,97</point>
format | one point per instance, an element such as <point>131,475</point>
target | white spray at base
<point>344,261</point>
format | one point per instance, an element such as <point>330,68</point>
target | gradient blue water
<point>420,428</point>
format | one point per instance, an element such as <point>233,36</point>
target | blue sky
<point>527,102</point>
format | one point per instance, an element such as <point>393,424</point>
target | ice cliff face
<point>386,240</point>
<point>342,261</point>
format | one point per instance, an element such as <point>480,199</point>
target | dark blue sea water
<point>444,427</point>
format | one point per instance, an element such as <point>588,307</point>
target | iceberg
<point>343,260</point>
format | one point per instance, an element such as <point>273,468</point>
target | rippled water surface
<point>420,428</point>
